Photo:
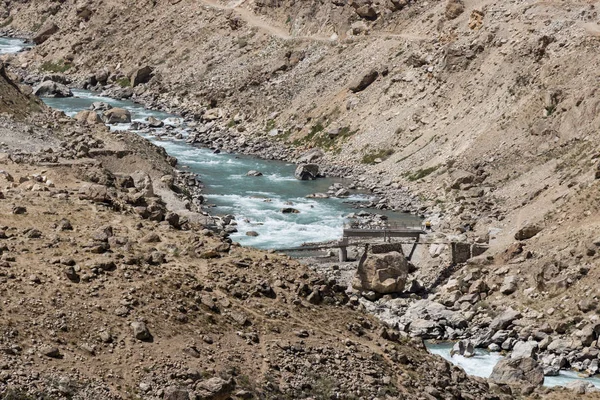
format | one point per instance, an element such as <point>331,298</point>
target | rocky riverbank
<point>114,289</point>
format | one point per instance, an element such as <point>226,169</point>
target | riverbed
<point>256,202</point>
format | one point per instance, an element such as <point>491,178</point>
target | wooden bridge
<point>386,232</point>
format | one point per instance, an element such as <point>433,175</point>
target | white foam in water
<point>480,365</point>
<point>10,45</point>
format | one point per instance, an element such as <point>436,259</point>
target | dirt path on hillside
<point>266,26</point>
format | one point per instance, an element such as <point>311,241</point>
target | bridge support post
<point>343,254</point>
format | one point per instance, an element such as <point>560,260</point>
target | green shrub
<point>56,66</point>
<point>369,158</point>
<point>421,173</point>
<point>124,82</point>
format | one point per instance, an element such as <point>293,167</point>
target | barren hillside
<point>487,111</point>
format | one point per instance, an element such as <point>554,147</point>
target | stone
<point>52,89</point>
<point>252,233</point>
<point>382,273</point>
<point>504,320</point>
<point>454,8</point>
<point>64,225</point>
<point>254,173</point>
<point>528,231</point>
<point>581,387</point>
<point>48,29</point>
<point>307,172</point>
<point>463,348</point>
<point>367,12</point>
<point>311,156</point>
<point>173,393</point>
<point>214,389</point>
<point>587,305</point>
<point>518,371</point>
<point>101,105</point>
<point>95,193</point>
<point>364,81</point>
<point>290,210</point>
<point>140,331</point>
<point>527,349</point>
<point>88,117</point>
<point>141,75</point>
<point>72,274</point>
<point>50,351</point>
<point>154,122</point>
<point>116,116</point>
<point>509,285</point>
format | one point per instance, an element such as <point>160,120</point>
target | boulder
<point>289,210</point>
<point>175,393</point>
<point>503,320</point>
<point>509,285</point>
<point>454,8</point>
<point>528,231</point>
<point>254,173</point>
<point>307,172</point>
<point>367,12</point>
<point>88,117</point>
<point>101,76</point>
<point>116,116</point>
<point>364,81</point>
<point>518,371</point>
<point>527,349</point>
<point>581,387</point>
<point>95,193</point>
<point>311,156</point>
<point>463,348</point>
<point>48,29</point>
<point>214,389</point>
<point>52,89</point>
<point>382,273</point>
<point>140,75</point>
<point>140,331</point>
<point>100,106</point>
<point>461,178</point>
<point>154,122</point>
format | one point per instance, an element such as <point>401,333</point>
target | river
<point>255,201</point>
<point>483,363</point>
<point>11,45</point>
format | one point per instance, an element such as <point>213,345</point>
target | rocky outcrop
<point>307,172</point>
<point>88,117</point>
<point>45,32</point>
<point>364,81</point>
<point>116,116</point>
<point>52,89</point>
<point>528,231</point>
<point>140,75</point>
<point>382,273</point>
<point>518,371</point>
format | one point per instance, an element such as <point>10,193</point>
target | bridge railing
<point>387,226</point>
